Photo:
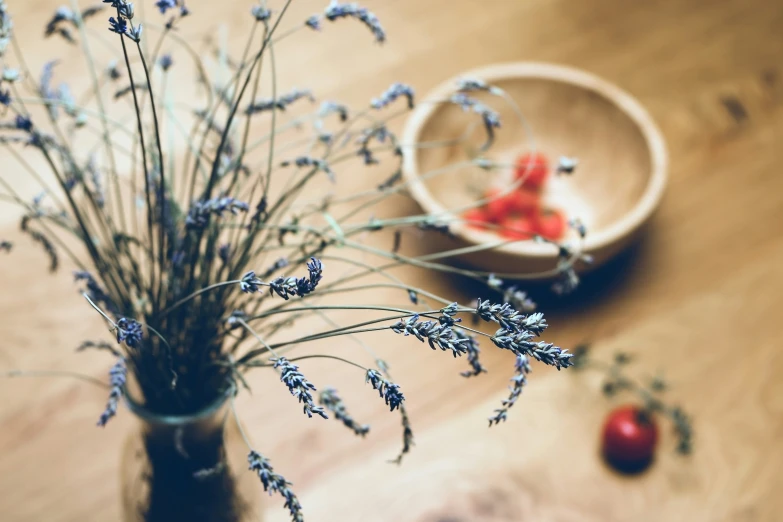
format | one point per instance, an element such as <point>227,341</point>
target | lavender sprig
<point>274,483</point>
<point>387,390</point>
<point>6,245</point>
<point>488,115</point>
<point>392,93</point>
<point>130,332</point>
<point>298,385</point>
<point>335,10</point>
<point>329,399</point>
<point>281,103</point>
<point>522,369</point>
<point>520,343</point>
<point>117,377</point>
<point>286,287</point>
<point>319,164</point>
<point>473,351</point>
<point>509,318</point>
<point>200,211</point>
<point>436,335</point>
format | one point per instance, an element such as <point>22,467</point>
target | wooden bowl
<point>616,187</point>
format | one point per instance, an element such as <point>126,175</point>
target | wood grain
<point>700,297</point>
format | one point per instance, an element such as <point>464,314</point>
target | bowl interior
<point>565,119</point>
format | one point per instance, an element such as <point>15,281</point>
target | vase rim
<point>141,411</point>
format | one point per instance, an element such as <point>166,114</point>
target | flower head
<point>129,331</point>
<point>274,483</point>
<point>332,402</point>
<point>117,377</point>
<point>392,93</point>
<point>299,386</point>
<point>119,26</point>
<point>387,390</point>
<point>23,123</point>
<point>336,10</point>
<point>165,5</point>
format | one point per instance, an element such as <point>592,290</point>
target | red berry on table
<point>519,227</point>
<point>499,204</point>
<point>629,438</point>
<point>551,224</point>
<point>534,169</point>
<point>474,218</point>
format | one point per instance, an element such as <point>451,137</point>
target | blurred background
<point>697,299</point>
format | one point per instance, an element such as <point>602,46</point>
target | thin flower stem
<point>303,357</point>
<point>147,189</point>
<point>53,373</point>
<point>198,293</point>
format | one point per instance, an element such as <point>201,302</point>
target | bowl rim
<point>628,104</point>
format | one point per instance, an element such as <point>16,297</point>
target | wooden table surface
<point>701,297</point>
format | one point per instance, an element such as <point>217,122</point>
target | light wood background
<point>700,298</point>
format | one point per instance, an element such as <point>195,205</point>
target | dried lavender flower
<point>488,115</point>
<point>165,5</point>
<point>135,33</point>
<point>476,84</point>
<point>260,13</point>
<point>48,246</point>
<point>200,211</point>
<point>281,103</point>
<point>119,26</point>
<point>6,245</point>
<point>522,369</point>
<point>117,377</point>
<point>165,62</point>
<point>473,351</point>
<point>129,331</point>
<point>319,164</point>
<point>392,93</point>
<point>329,399</point>
<point>336,10</point>
<point>387,390</point>
<point>437,335</point>
<point>279,264</point>
<point>509,318</point>
<point>249,283</point>
<point>579,226</point>
<point>6,28</point>
<point>298,385</point>
<point>568,282</point>
<point>566,165</point>
<point>329,107</point>
<point>286,287</point>
<point>274,483</point>
<point>98,345</point>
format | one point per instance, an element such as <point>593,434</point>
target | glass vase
<point>190,467</point>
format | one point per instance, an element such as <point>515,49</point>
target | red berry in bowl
<point>524,202</point>
<point>629,438</point>
<point>499,205</point>
<point>474,218</point>
<point>534,169</point>
<point>551,224</point>
<point>519,227</point>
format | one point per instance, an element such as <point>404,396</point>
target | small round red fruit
<point>475,217</point>
<point>533,169</point>
<point>518,228</point>
<point>524,202</point>
<point>629,438</point>
<point>499,204</point>
<point>551,224</point>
